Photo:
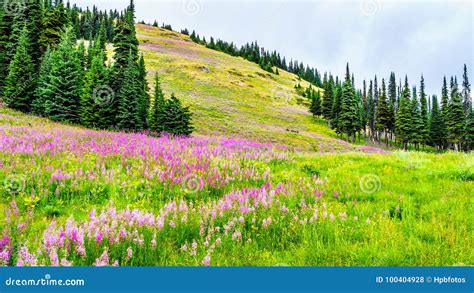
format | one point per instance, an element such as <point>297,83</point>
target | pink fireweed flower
<point>207,260</point>
<point>103,260</point>
<point>237,235</point>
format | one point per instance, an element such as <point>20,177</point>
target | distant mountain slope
<point>231,96</point>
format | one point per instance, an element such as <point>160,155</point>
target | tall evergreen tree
<point>97,97</point>
<point>371,110</point>
<point>62,90</point>
<point>337,108</point>
<point>315,107</point>
<point>53,25</point>
<point>328,100</point>
<point>469,131</point>
<point>157,112</point>
<point>392,90</point>
<point>466,92</point>
<point>403,124</point>
<point>349,118</point>
<point>438,130</point>
<point>424,131</point>
<point>6,22</point>
<point>18,92</point>
<point>455,121</point>
<point>383,119</point>
<point>42,94</point>
<point>177,119</point>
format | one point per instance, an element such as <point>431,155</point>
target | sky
<point>433,38</point>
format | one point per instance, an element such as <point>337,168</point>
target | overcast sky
<point>409,37</point>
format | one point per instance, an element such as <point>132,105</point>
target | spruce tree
<point>469,131</point>
<point>129,98</point>
<point>349,118</point>
<point>143,102</point>
<point>42,94</point>
<point>403,123</point>
<point>444,98</point>
<point>437,125</point>
<point>63,87</point>
<point>371,110</point>
<point>424,131</point>
<point>455,121</point>
<point>392,90</point>
<point>6,22</point>
<point>97,96</point>
<point>157,111</point>
<point>383,119</point>
<point>315,107</point>
<point>53,24</point>
<point>328,100</point>
<point>177,119</point>
<point>18,92</point>
<point>416,122</point>
<point>466,93</point>
<point>337,108</point>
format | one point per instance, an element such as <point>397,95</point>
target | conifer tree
<point>177,119</point>
<point>143,99</point>
<point>53,24</point>
<point>383,119</point>
<point>63,87</point>
<point>424,131</point>
<point>42,94</point>
<point>6,22</point>
<point>96,97</point>
<point>315,107</point>
<point>18,92</point>
<point>349,118</point>
<point>437,126</point>
<point>128,97</point>
<point>403,123</point>
<point>416,122</point>
<point>466,93</point>
<point>469,131</point>
<point>328,100</point>
<point>157,111</point>
<point>392,90</point>
<point>337,108</point>
<point>444,98</point>
<point>371,110</point>
<point>455,121</point>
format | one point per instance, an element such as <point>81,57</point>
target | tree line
<point>395,114</point>
<point>46,71</point>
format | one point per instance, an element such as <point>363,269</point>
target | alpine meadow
<point>129,143</point>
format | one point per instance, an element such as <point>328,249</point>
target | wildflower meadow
<point>77,197</point>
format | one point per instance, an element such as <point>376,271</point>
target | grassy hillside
<point>232,96</point>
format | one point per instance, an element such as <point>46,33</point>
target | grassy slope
<point>231,96</point>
